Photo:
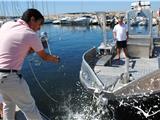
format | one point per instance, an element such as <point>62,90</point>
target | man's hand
<point>57,58</point>
<point>47,57</point>
<point>127,38</point>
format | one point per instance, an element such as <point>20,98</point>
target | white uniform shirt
<point>120,31</point>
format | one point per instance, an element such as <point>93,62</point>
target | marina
<point>85,18</point>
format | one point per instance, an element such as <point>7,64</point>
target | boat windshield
<point>139,22</point>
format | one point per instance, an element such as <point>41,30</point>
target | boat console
<point>140,43</point>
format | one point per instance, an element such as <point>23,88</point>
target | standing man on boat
<point>17,39</point>
<point>120,34</point>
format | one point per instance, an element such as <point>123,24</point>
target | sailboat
<point>136,76</point>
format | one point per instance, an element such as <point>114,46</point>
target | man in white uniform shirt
<point>120,34</point>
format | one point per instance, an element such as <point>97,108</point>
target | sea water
<point>61,81</point>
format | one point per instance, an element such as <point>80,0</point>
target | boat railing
<point>147,84</point>
<point>87,74</point>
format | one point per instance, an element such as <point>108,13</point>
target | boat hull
<point>146,85</point>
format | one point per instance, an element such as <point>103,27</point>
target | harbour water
<point>61,81</point>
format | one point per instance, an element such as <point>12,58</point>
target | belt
<point>8,71</point>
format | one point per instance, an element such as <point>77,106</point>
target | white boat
<point>154,21</point>
<point>94,20</point>
<point>47,21</point>
<point>142,21</point>
<point>66,21</point>
<point>139,18</point>
<point>136,76</point>
<point>82,21</point>
<point>56,22</point>
<point>134,22</point>
<point>140,5</point>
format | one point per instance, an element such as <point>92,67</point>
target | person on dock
<point>120,34</point>
<point>17,39</point>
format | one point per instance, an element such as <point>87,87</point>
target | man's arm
<point>114,35</point>
<point>127,35</point>
<point>47,57</point>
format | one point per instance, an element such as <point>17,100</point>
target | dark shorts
<point>122,44</point>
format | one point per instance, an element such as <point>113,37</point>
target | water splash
<point>85,108</point>
<point>101,109</point>
<point>144,108</point>
<point>97,107</point>
<point>95,111</point>
<point>146,114</point>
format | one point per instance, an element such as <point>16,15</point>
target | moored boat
<point>135,76</point>
<point>84,20</point>
<point>66,21</point>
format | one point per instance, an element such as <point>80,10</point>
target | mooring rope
<point>36,79</point>
<point>44,90</point>
<point>45,116</point>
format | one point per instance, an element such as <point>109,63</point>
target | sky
<point>47,7</point>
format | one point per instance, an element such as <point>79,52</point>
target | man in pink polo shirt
<point>16,40</point>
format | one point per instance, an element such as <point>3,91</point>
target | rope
<point>35,77</point>
<point>45,116</point>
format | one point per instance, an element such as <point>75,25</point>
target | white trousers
<point>15,91</point>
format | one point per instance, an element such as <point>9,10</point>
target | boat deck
<point>137,69</point>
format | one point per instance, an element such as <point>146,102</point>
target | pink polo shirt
<point>16,38</point>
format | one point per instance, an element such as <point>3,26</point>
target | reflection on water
<point>76,28</point>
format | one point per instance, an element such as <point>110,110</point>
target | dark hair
<point>32,13</point>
